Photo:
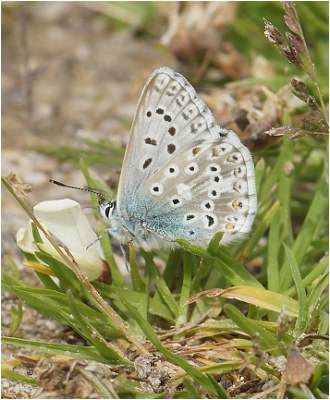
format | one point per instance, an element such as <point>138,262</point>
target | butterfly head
<point>106,207</point>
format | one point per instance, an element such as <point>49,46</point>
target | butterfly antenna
<point>86,189</point>
<point>98,191</point>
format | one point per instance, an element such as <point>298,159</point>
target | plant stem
<point>309,67</point>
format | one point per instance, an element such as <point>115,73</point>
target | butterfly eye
<point>107,211</point>
<point>110,206</point>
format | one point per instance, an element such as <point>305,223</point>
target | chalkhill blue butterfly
<point>183,176</point>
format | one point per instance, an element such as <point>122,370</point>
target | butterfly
<point>183,176</point>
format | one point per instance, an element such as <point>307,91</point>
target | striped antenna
<point>86,189</point>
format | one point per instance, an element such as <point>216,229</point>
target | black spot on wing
<point>153,142</point>
<point>172,131</point>
<point>146,163</point>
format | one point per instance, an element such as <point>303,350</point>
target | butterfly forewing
<point>169,116</point>
<point>182,174</point>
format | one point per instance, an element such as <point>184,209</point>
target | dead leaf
<point>21,189</point>
<point>298,369</point>
<point>190,37</point>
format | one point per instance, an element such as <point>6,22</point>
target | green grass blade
<point>93,336</point>
<point>233,271</point>
<point>316,215</point>
<point>16,315</point>
<point>173,260</point>
<point>54,305</point>
<point>162,288</point>
<point>82,352</point>
<point>16,377</point>
<point>302,320</point>
<point>66,276</point>
<point>261,298</point>
<point>260,229</point>
<point>137,281</point>
<point>182,315</point>
<point>273,253</point>
<point>191,389</point>
<point>315,272</point>
<point>267,339</point>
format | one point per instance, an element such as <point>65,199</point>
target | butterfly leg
<point>129,235</point>
<point>98,238</point>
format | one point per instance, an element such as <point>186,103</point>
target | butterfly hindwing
<point>209,187</point>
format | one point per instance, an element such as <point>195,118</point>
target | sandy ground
<point>66,76</point>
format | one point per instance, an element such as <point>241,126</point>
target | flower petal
<point>65,220</point>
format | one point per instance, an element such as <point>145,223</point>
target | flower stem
<point>309,66</point>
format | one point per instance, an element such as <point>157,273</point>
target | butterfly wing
<point>207,188</point>
<point>169,116</point>
<point>182,174</point>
